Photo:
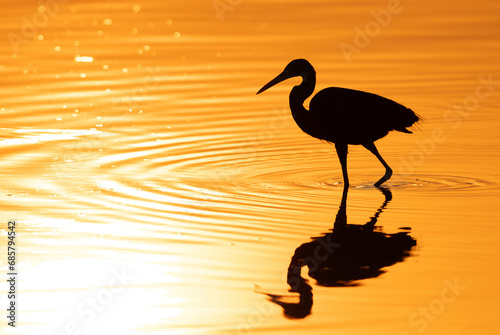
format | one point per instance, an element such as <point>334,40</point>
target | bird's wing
<point>356,115</point>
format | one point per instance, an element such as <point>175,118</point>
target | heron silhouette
<point>343,116</point>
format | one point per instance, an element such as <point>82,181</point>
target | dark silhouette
<point>343,116</point>
<point>343,257</point>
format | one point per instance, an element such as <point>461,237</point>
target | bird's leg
<point>388,171</point>
<point>342,153</point>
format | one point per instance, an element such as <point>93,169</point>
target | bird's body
<point>357,117</point>
<point>343,116</point>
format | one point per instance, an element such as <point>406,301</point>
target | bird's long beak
<point>282,76</point>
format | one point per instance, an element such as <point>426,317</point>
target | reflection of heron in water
<point>343,116</point>
<point>343,257</point>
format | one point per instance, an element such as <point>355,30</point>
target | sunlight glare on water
<point>155,192</point>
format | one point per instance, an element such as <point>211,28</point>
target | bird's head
<point>296,68</point>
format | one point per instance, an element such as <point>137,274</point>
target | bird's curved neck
<point>300,93</point>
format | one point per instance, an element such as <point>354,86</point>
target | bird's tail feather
<point>410,119</point>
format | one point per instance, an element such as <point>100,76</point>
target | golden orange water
<point>155,193</point>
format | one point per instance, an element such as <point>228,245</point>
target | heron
<point>343,116</point>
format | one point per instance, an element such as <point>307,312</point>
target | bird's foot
<point>386,177</point>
